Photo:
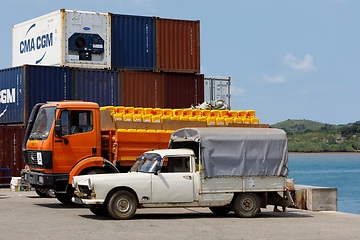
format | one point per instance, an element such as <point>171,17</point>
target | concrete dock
<point>24,215</point>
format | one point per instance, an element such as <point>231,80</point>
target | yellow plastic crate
<point>177,112</point>
<point>211,121</point>
<point>129,110</point>
<point>254,121</point>
<point>120,110</point>
<point>139,111</point>
<point>137,118</point>
<point>127,117</point>
<point>167,112</point>
<point>219,121</point>
<point>146,118</point>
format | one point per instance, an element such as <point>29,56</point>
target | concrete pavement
<point>24,215</point>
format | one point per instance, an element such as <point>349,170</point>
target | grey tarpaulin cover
<point>228,151</point>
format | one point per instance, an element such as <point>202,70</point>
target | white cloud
<point>306,65</point>
<point>277,79</point>
<point>237,91</point>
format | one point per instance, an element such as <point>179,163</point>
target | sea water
<point>341,171</point>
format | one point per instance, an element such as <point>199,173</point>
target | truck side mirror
<point>57,129</point>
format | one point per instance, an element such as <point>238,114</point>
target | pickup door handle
<point>187,177</point>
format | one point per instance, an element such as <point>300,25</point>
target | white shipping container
<point>217,88</point>
<point>64,38</point>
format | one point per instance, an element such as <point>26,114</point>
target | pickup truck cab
<point>176,178</point>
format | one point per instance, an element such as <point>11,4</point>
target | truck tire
<point>99,211</point>
<point>46,192</point>
<point>221,211</point>
<point>40,192</point>
<point>50,193</point>
<point>246,205</point>
<point>122,205</point>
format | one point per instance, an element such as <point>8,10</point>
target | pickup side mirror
<point>157,169</point>
<point>57,129</point>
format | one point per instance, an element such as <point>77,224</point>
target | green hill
<point>310,136</point>
<point>302,125</point>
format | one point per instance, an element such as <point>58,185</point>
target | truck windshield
<point>146,163</point>
<point>43,123</point>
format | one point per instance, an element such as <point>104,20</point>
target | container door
<point>175,182</point>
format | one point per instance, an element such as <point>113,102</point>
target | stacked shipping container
<point>153,62</point>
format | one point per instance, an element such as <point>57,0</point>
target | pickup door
<point>175,182</point>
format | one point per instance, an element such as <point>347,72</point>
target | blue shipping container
<point>100,86</point>
<point>22,87</point>
<point>133,44</point>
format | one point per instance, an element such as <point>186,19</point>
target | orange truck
<point>69,138</point>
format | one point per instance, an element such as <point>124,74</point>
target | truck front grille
<point>32,157</point>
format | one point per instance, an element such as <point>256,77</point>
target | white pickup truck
<point>225,169</point>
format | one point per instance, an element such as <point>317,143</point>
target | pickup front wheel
<point>246,205</point>
<point>122,205</point>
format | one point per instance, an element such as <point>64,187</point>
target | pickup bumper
<point>55,181</point>
<point>87,201</point>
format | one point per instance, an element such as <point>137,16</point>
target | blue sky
<point>286,59</point>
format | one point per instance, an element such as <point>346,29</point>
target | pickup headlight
<point>90,184</point>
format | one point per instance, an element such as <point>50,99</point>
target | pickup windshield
<point>43,123</point>
<point>146,163</point>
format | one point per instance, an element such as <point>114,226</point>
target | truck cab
<point>62,138</point>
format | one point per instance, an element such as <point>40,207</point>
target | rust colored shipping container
<point>11,151</point>
<point>178,45</point>
<point>183,90</point>
<point>142,89</point>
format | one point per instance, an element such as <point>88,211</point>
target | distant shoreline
<point>324,152</point>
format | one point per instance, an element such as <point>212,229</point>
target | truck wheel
<point>99,211</point>
<point>50,193</point>
<point>46,192</point>
<point>122,205</point>
<point>221,211</point>
<point>40,192</point>
<point>246,205</point>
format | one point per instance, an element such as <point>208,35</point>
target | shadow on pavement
<point>194,215</point>
<point>59,205</point>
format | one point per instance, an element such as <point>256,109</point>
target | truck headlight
<point>41,179</point>
<point>90,184</point>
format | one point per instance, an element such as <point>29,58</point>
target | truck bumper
<point>37,179</point>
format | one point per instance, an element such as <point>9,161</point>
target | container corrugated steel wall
<point>142,89</point>
<point>133,44</point>
<point>100,86</point>
<point>11,151</point>
<point>31,84</point>
<point>178,45</point>
<point>183,90</point>
<point>12,94</point>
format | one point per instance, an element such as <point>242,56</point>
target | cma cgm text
<point>39,42</point>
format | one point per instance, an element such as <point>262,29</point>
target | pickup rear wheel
<point>246,205</point>
<point>220,210</point>
<point>122,205</point>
